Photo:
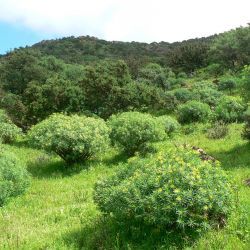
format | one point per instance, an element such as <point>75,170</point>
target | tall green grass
<point>58,212</point>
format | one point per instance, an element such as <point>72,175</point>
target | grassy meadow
<point>58,212</point>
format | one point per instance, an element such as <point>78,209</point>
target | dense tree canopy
<point>92,76</point>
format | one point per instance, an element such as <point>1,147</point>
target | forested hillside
<point>86,74</point>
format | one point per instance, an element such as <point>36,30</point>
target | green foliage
<point>172,189</point>
<point>4,118</point>
<point>214,69</point>
<point>246,82</point>
<point>55,95</point>
<point>183,95</point>
<point>153,73</point>
<point>232,49</point>
<point>188,55</point>
<point>193,111</point>
<point>15,107</point>
<point>19,68</point>
<point>246,132</point>
<point>133,130</point>
<point>228,84</point>
<point>9,132</point>
<point>208,95</point>
<point>230,109</point>
<point>74,138</point>
<point>218,130</point>
<point>170,124</point>
<point>14,179</point>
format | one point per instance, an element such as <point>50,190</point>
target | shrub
<point>182,75</point>
<point>246,132</point>
<point>228,84</point>
<point>14,179</point>
<point>230,109</point>
<point>183,95</point>
<point>74,138</point>
<point>170,124</point>
<point>9,132</point>
<point>208,95</point>
<point>218,131</point>
<point>4,117</point>
<point>194,111</point>
<point>175,188</point>
<point>133,130</point>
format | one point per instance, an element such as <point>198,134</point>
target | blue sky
<point>14,36</point>
<point>25,22</point>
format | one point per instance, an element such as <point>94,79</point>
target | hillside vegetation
<point>114,145</point>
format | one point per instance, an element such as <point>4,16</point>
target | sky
<point>25,22</point>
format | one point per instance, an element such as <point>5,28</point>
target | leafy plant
<point>230,109</point>
<point>218,131</point>
<point>14,179</point>
<point>246,132</point>
<point>208,95</point>
<point>174,188</point>
<point>8,130</point>
<point>74,138</point>
<point>133,130</point>
<point>170,124</point>
<point>228,84</point>
<point>183,95</point>
<point>193,111</point>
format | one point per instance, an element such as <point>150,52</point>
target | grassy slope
<point>58,213</point>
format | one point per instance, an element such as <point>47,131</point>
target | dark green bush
<point>228,84</point>
<point>246,132</point>
<point>193,111</point>
<point>172,189</point>
<point>218,130</point>
<point>74,138</point>
<point>14,179</point>
<point>133,130</point>
<point>183,95</point>
<point>230,109</point>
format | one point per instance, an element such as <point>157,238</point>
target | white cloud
<point>127,20</point>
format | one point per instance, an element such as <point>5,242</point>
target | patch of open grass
<point>58,212</point>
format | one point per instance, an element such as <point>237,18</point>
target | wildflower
<point>177,190</point>
<point>178,198</point>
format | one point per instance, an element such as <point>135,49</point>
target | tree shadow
<point>120,157</point>
<point>104,233</point>
<point>48,166</point>
<point>236,157</point>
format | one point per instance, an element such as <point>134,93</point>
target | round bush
<point>133,130</point>
<point>170,124</point>
<point>193,111</point>
<point>9,132</point>
<point>14,178</point>
<point>246,132</point>
<point>208,95</point>
<point>4,117</point>
<point>183,95</point>
<point>74,138</point>
<point>175,188</point>
<point>230,109</point>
